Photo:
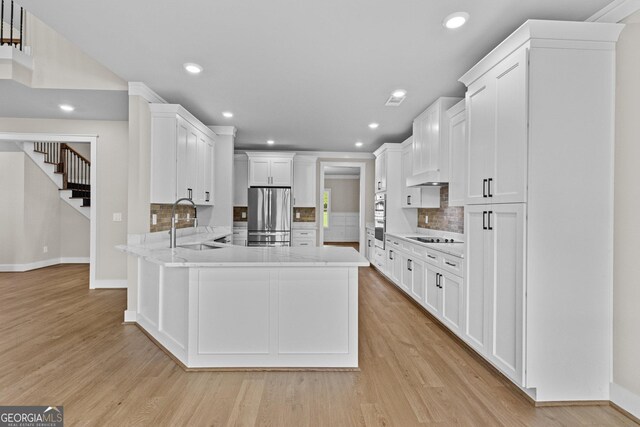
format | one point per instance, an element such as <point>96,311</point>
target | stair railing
<point>11,41</point>
<point>74,167</point>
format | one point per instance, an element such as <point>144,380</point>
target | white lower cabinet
<point>239,236</point>
<point>394,264</point>
<point>303,237</point>
<point>494,289</point>
<point>369,249</point>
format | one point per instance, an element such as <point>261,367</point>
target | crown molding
<point>615,11</point>
<point>141,89</point>
<point>224,130</point>
<point>323,155</point>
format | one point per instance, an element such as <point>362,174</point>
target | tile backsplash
<point>163,212</point>
<point>306,214</point>
<point>237,214</point>
<point>444,218</point>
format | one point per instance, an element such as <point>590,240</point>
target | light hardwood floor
<point>63,344</point>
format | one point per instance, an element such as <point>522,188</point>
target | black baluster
<point>11,28</point>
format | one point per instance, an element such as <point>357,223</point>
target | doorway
<point>342,202</point>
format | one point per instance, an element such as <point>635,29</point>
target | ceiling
<point>310,75</point>
<point>26,102</point>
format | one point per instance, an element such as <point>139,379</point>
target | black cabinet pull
<point>190,193</point>
<point>484,188</point>
<point>431,256</point>
<point>484,220</point>
<point>408,200</point>
<point>489,187</point>
<point>448,263</point>
<point>489,221</point>
<point>391,255</point>
<point>379,185</point>
<point>369,243</point>
<point>409,262</point>
<point>207,196</point>
<point>437,280</point>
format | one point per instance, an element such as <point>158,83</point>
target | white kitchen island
<point>248,307</point>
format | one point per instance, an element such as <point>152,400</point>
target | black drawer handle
<point>452,265</point>
<point>431,256</point>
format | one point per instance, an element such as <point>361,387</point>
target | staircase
<point>12,19</point>
<point>67,168</point>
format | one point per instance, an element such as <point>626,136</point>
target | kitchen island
<point>249,307</point>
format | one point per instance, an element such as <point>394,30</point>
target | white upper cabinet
<point>240,179</point>
<point>410,195</point>
<point>497,133</point>
<point>430,143</point>
<point>457,154</point>
<point>270,169</point>
<point>182,156</point>
<point>381,172</point>
<point>304,181</point>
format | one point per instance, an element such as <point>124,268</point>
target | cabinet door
<point>457,159</point>
<point>418,143</point>
<point>509,164</point>
<point>201,160</point>
<point>410,195</point>
<point>480,137</point>
<point>181,159</point>
<point>209,172</point>
<point>431,140</point>
<point>192,161</point>
<point>381,172</point>
<point>418,280</point>
<point>476,298</point>
<point>506,274</point>
<point>281,171</point>
<point>394,259</point>
<point>432,291</point>
<point>451,301</point>
<point>405,267</point>
<point>304,183</point>
<point>259,172</point>
<point>240,183</point>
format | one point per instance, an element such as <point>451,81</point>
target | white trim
<point>615,11</point>
<point>93,220</point>
<point>625,399</point>
<point>130,316</point>
<point>324,154</point>
<point>171,110</point>
<point>363,211</point>
<point>283,154</point>
<point>224,130</point>
<point>141,89</point>
<point>342,176</point>
<point>110,284</point>
<point>29,266</point>
<point>75,260</point>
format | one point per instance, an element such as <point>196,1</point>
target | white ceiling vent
<point>394,101</point>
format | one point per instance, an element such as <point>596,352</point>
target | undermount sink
<point>199,247</point>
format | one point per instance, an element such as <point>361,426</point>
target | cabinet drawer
<point>303,242</point>
<point>242,232</point>
<point>452,264</point>
<point>432,257</point>
<point>305,234</point>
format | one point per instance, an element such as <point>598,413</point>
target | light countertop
<point>455,249</point>
<point>241,256</point>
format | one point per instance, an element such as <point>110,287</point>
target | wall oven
<point>380,218</point>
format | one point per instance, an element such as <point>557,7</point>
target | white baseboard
<point>109,284</point>
<point>29,266</point>
<point>625,399</point>
<point>76,260</point>
<point>18,268</point>
<point>130,316</point>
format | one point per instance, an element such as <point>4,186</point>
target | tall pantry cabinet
<point>538,214</point>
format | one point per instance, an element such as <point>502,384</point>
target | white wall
<point>626,286</point>
<point>33,217</point>
<point>58,63</point>
<point>369,182</point>
<point>111,194</point>
<point>345,194</point>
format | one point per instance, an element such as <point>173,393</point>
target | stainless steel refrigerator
<point>269,216</point>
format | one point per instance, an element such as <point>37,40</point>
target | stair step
<point>38,151</point>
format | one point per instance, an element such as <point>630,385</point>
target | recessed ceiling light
<point>193,68</point>
<point>66,107</point>
<point>399,93</point>
<point>228,114</point>
<point>373,125</point>
<point>271,142</point>
<point>455,20</point>
<point>358,144</point>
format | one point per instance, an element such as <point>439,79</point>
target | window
<point>326,207</point>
